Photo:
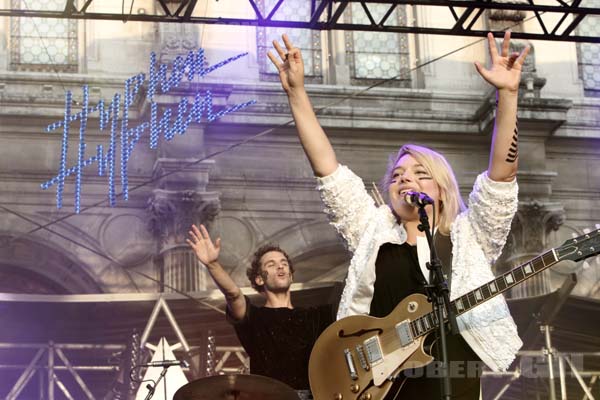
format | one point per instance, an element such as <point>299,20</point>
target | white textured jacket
<point>478,236</point>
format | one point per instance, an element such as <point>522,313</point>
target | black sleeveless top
<point>398,275</point>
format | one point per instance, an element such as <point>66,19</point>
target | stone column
<point>338,72</point>
<point>172,215</point>
<point>179,200</point>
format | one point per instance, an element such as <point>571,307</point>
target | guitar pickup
<point>404,334</point>
<point>372,348</point>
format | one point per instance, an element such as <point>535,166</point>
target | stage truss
<point>58,367</point>
<point>50,358</point>
<point>564,16</point>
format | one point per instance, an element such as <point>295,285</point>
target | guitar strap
<point>443,246</point>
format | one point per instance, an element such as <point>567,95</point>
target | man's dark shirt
<point>279,340</point>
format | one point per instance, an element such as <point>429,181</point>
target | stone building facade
<point>259,190</point>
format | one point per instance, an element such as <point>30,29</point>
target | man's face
<point>275,272</point>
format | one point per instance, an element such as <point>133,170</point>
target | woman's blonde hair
<point>437,166</point>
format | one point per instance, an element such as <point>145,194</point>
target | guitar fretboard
<point>501,284</point>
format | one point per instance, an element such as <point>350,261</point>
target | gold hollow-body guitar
<point>357,357</point>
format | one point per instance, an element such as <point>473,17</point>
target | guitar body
<point>355,356</point>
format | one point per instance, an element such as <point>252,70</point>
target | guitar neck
<point>504,282</point>
<point>575,249</point>
<point>501,284</point>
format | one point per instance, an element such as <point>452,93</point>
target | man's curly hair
<point>254,269</point>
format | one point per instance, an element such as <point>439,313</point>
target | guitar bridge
<point>350,365</point>
<point>404,334</point>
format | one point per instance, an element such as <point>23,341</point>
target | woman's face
<point>408,175</point>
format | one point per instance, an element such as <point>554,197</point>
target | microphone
<point>417,199</point>
<point>166,363</point>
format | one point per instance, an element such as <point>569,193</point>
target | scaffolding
<point>561,25</point>
<point>68,370</point>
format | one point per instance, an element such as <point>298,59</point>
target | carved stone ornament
<point>529,238</point>
<point>500,20</point>
<point>532,223</point>
<point>172,213</point>
<point>177,40</point>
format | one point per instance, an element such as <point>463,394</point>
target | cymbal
<point>236,387</point>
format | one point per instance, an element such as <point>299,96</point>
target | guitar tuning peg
<point>586,230</point>
<point>597,226</point>
<point>573,235</point>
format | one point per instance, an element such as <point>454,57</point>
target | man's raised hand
<point>200,241</point>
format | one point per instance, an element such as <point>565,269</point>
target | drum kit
<point>237,387</point>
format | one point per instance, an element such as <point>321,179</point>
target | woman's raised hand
<point>505,71</point>
<point>289,64</point>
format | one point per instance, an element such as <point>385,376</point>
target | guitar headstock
<point>581,247</point>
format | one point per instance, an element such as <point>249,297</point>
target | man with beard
<point>278,337</point>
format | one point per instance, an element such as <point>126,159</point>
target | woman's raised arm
<point>505,75</point>
<point>312,137</point>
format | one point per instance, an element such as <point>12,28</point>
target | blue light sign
<point>111,117</point>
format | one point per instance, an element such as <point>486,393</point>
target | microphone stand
<point>151,388</point>
<point>439,295</point>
